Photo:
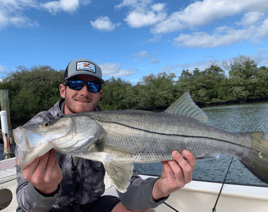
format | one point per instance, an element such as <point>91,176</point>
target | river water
<point>233,118</point>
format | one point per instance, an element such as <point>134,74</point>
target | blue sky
<point>132,38</point>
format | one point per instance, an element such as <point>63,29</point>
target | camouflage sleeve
<point>39,118</point>
<point>29,199</point>
<point>139,194</point>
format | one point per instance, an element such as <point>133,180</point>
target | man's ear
<point>100,94</point>
<point>62,90</point>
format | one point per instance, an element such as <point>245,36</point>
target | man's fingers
<point>50,166</point>
<point>42,164</point>
<point>29,170</point>
<point>179,159</point>
<point>184,172</point>
<point>167,171</point>
<point>176,170</point>
<point>190,157</point>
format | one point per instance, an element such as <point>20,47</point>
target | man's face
<point>79,101</point>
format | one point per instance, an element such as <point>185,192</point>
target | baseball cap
<point>85,67</point>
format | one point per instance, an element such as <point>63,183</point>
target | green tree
<point>243,74</point>
<point>32,90</point>
<point>114,94</point>
<point>203,85</point>
<point>156,90</point>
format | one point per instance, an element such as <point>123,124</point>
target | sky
<point>132,38</point>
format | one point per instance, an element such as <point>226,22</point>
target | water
<point>233,118</point>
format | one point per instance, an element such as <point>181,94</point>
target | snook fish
<point>120,138</point>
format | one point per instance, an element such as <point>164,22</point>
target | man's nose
<point>84,90</point>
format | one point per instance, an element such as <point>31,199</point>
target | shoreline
<point>202,105</point>
<point>232,102</point>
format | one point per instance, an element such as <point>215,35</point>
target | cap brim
<point>86,73</point>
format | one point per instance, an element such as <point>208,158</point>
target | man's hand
<point>44,173</point>
<point>175,174</point>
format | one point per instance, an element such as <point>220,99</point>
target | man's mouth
<point>83,100</point>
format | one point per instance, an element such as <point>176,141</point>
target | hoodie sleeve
<point>29,199</point>
<point>139,194</point>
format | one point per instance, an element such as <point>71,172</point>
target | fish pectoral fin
<point>120,173</point>
<point>186,107</point>
<point>101,146</point>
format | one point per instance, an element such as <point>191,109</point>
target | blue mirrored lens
<point>93,87</point>
<point>79,84</point>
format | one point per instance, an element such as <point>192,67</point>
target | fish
<point>120,138</point>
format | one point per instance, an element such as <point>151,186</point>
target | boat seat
<point>7,170</point>
<point>7,175</point>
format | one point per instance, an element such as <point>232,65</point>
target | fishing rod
<point>214,208</point>
<point>170,207</point>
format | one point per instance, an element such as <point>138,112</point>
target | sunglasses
<point>93,87</point>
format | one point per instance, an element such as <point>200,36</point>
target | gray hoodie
<point>83,181</point>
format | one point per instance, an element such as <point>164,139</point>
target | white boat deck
<point>196,196</point>
<point>199,196</point>
<point>8,183</point>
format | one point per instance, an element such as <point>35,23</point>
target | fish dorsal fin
<point>186,107</point>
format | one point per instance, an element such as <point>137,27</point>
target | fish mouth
<point>20,138</point>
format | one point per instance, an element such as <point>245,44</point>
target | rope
<point>214,209</point>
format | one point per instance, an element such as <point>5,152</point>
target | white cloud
<point>2,69</point>
<point>142,54</point>
<point>114,69</point>
<point>261,58</point>
<point>203,12</point>
<point>3,72</point>
<point>144,57</point>
<point>223,36</point>
<point>85,2</point>
<point>11,12</point>
<point>251,18</point>
<point>3,20</point>
<point>154,60</point>
<point>134,4</point>
<point>104,24</point>
<point>199,13</point>
<point>201,65</point>
<point>142,13</point>
<point>61,5</point>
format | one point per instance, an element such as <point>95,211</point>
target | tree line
<point>36,89</point>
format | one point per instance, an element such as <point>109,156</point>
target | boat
<point>197,196</point>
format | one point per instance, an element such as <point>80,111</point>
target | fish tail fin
<point>120,173</point>
<point>257,161</point>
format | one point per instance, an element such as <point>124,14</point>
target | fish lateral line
<point>177,135</point>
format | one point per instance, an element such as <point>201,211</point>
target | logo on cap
<point>85,66</point>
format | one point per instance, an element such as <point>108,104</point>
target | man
<point>57,182</point>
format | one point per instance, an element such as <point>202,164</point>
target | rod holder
<point>5,134</point>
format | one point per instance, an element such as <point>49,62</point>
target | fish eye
<point>45,124</point>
